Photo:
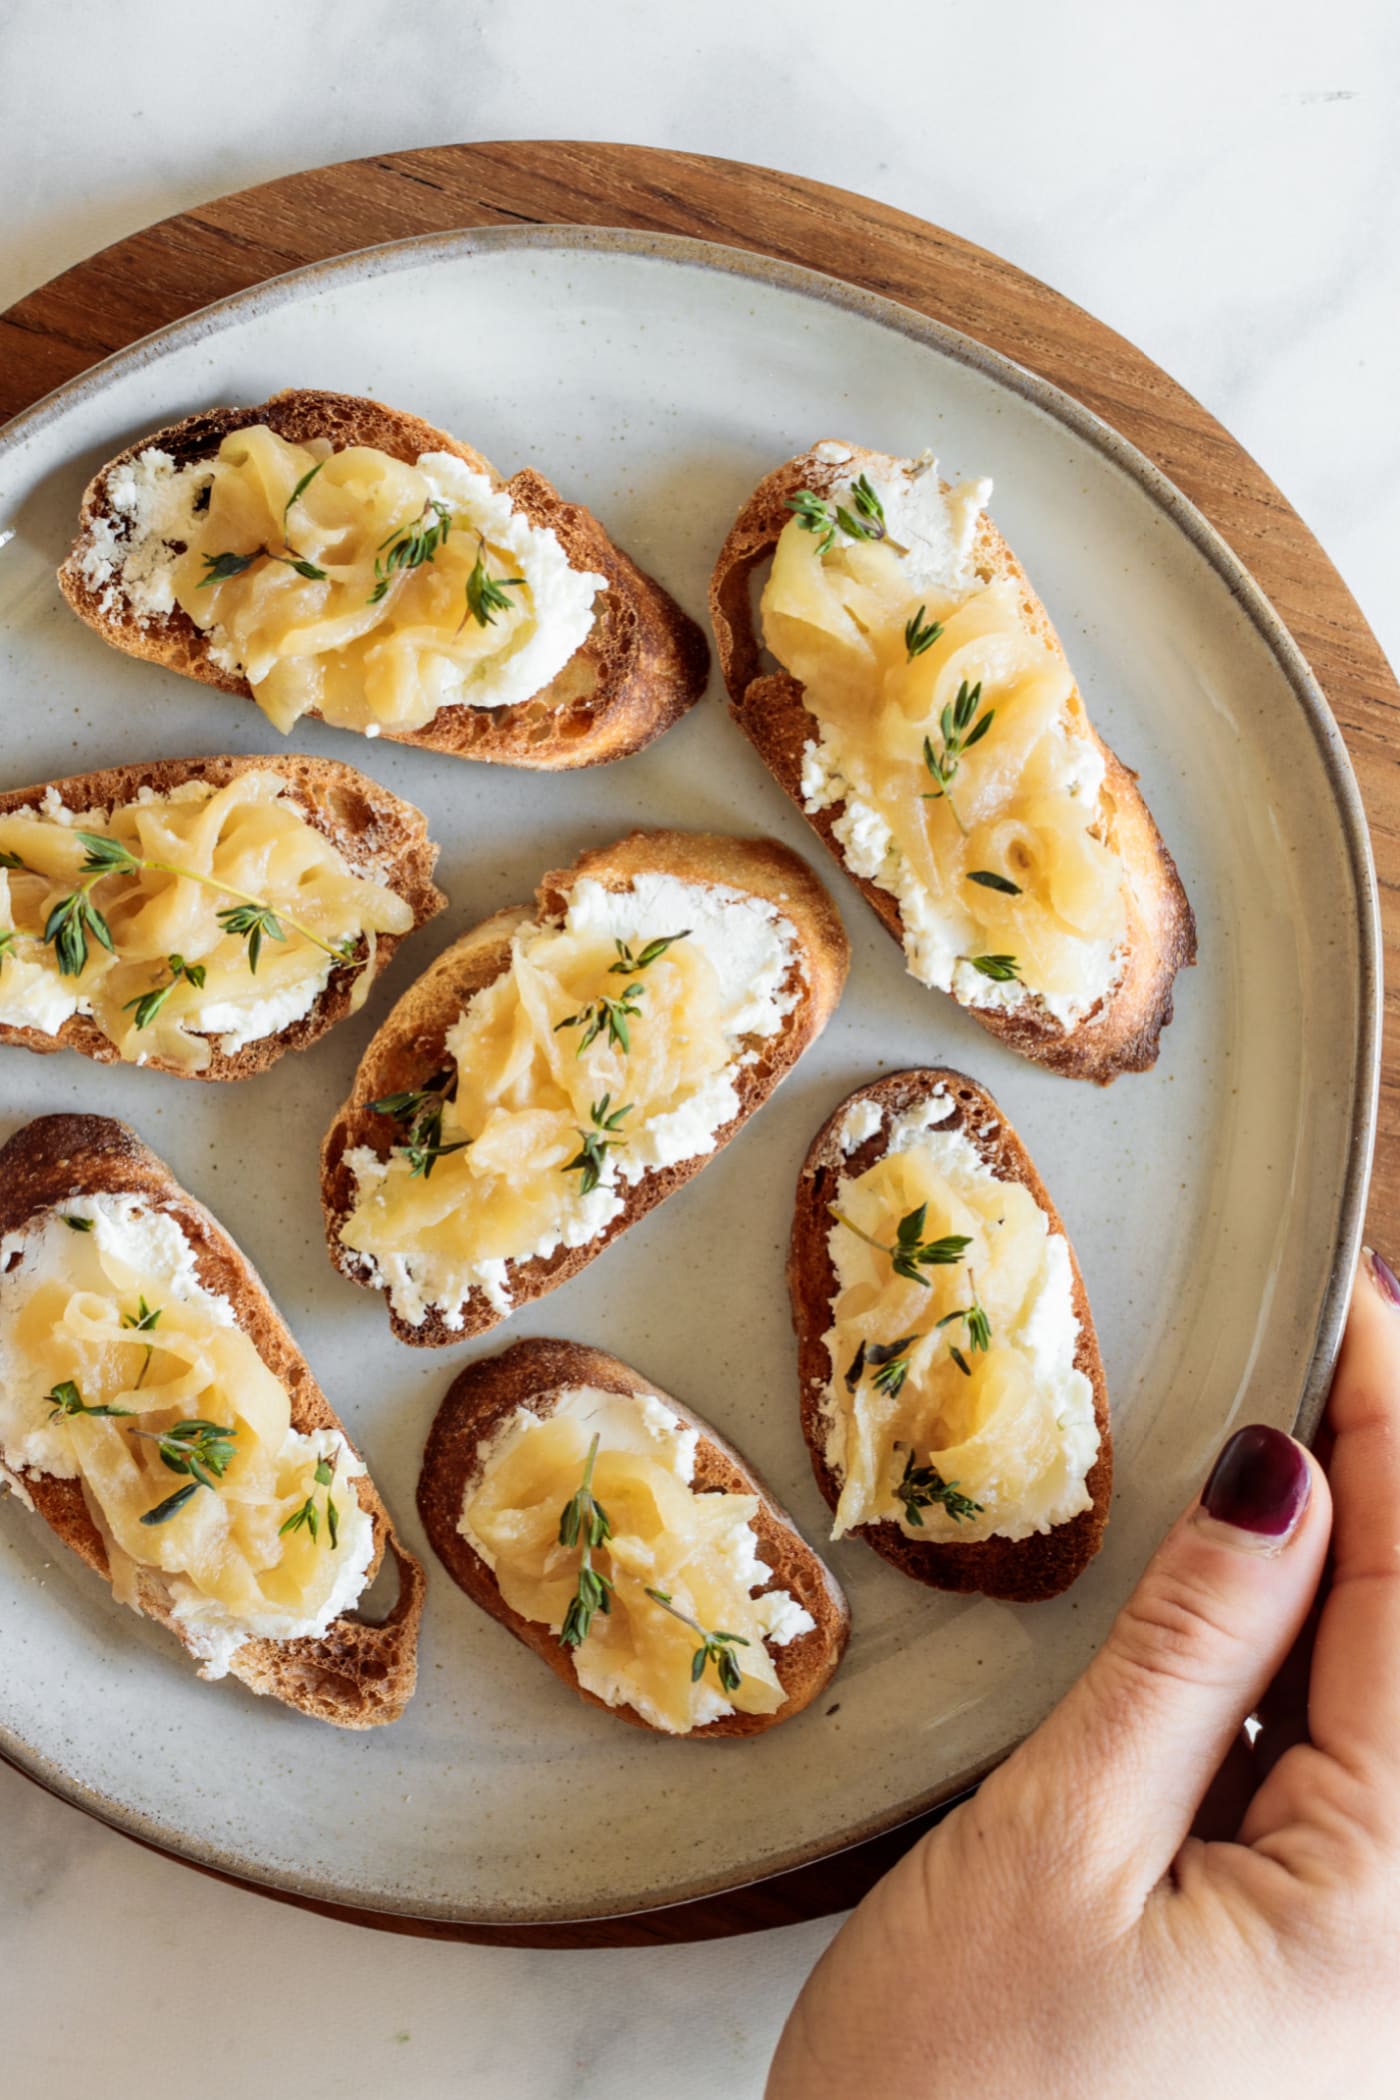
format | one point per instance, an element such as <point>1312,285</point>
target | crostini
<point>325,555</point>
<point>627,1544</point>
<point>157,1413</point>
<point>923,716</point>
<point>952,1392</point>
<point>201,916</point>
<point>564,1067</point>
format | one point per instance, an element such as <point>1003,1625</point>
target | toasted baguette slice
<point>377,834</point>
<point>1121,1033</point>
<point>642,665</point>
<point>1022,1570</point>
<point>532,1375</point>
<point>359,1674</point>
<point>409,1046</point>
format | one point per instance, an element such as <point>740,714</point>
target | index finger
<point>1354,1698</point>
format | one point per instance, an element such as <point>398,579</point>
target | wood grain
<point>174,268</point>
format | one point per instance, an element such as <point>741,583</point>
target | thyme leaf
<point>605,1016</point>
<point>717,1647</point>
<point>583,1523</point>
<point>148,1004</point>
<point>66,1399</point>
<point>486,594</point>
<point>418,1111</point>
<point>142,1321</point>
<point>960,727</point>
<point>597,1142</point>
<point>923,1487</point>
<point>990,881</point>
<point>910,1251</point>
<point>173,1504</point>
<point>1002,969</point>
<point>918,637</point>
<point>197,1447</point>
<point>628,963</point>
<point>409,546</point>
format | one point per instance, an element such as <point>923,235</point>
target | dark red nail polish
<point>1260,1482</point>
<point>1385,1276</point>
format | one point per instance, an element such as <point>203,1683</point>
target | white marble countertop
<point>1223,190</point>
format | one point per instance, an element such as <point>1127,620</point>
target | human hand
<point>1063,1934</point>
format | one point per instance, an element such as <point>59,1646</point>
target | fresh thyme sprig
<point>583,1522</point>
<point>821,515</point>
<point>8,936</point>
<point>961,727</point>
<point>486,594</point>
<point>10,860</point>
<point>419,1111</point>
<point>142,1321</point>
<point>887,1363</point>
<point>628,963</point>
<point>409,546</point>
<point>75,916</point>
<point>923,1487</point>
<point>717,1647</point>
<point>918,637</point>
<point>78,1224</point>
<point>196,1447</point>
<point>66,1399</point>
<point>148,1004</point>
<point>1002,969</point>
<point>308,1516</point>
<point>605,1015</point>
<point>219,568</point>
<point>597,1142</point>
<point>979,1328</point>
<point>991,881</point>
<point>910,1251</point>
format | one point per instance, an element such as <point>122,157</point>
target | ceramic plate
<point>1215,1203</point>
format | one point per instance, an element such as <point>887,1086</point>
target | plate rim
<point>386,258</point>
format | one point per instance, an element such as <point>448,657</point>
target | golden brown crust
<point>1122,1033</point>
<point>643,664</point>
<point>409,1046</point>
<point>1023,1570</point>
<point>377,833</point>
<point>533,1374</point>
<point>358,1675</point>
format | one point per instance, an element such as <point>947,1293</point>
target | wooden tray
<point>184,263</point>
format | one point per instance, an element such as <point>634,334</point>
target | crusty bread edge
<point>322,789</point>
<point>1121,1034</point>
<point>409,1045</point>
<point>1023,1571</point>
<point>662,655</point>
<point>358,1674</point>
<point>533,1374</point>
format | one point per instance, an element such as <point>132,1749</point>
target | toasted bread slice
<point>409,1046</point>
<point>533,1374</point>
<point>377,833</point>
<point>642,665</point>
<point>358,1674</point>
<point>1121,1033</point>
<point>1022,1570</point>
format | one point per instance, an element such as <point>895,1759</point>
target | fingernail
<point>1383,1276</point>
<point>1258,1488</point>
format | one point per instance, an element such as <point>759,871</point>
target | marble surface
<point>1225,192</point>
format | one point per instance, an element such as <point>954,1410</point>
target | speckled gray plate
<point>1215,1203</point>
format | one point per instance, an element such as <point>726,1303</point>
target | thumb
<point>1127,1756</point>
